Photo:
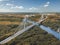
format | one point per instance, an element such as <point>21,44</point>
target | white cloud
<point>47,4</point>
<point>6,10</point>
<point>17,7</point>
<point>4,0</point>
<point>20,7</point>
<point>32,8</point>
<point>12,6</point>
<point>8,4</point>
<point>0,0</point>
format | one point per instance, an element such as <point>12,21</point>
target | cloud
<point>32,8</point>
<point>12,6</point>
<point>4,0</point>
<point>8,4</point>
<point>6,10</point>
<point>47,4</point>
<point>17,7</point>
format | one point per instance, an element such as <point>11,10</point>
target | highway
<point>50,31</point>
<point>16,34</point>
<point>21,31</point>
<point>47,29</point>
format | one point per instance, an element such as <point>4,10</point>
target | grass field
<point>35,35</point>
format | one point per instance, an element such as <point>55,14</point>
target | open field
<point>53,21</point>
<point>35,35</point>
<point>6,19</point>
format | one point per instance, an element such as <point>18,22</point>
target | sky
<point>29,5</point>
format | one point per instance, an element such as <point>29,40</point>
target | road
<point>50,31</point>
<point>47,29</point>
<point>20,32</point>
<point>16,34</point>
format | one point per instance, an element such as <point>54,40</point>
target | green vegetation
<point>35,35</point>
<point>53,22</point>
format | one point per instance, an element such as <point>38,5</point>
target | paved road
<point>16,34</point>
<point>20,32</point>
<point>50,31</point>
